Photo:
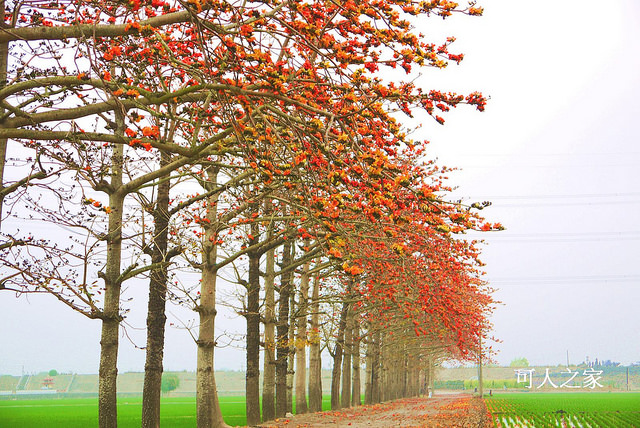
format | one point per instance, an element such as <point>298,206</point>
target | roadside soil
<point>442,410</point>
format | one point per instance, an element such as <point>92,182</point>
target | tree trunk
<point>253,333</point>
<point>315,362</point>
<point>409,377</point>
<point>432,377</point>
<point>208,412</point>
<point>480,380</point>
<point>427,377</point>
<point>345,399</point>
<point>282,330</point>
<point>108,371</point>
<point>404,378</point>
<point>368,377</point>
<point>292,348</point>
<point>383,377</point>
<point>269,380</point>
<point>375,367</point>
<point>301,341</point>
<point>337,356</point>
<point>356,399</point>
<point>156,316</point>
<point>415,385</point>
<point>429,374</point>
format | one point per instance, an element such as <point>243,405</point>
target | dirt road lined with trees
<point>450,410</point>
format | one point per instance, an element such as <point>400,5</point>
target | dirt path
<point>450,410</point>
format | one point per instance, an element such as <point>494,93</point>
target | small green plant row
<point>564,420</point>
<point>565,410</point>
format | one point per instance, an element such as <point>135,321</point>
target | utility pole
<point>627,378</point>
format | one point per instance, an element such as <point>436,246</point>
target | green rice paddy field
<point>177,412</point>
<point>539,410</point>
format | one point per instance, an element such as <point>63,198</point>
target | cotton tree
<point>91,85</point>
<point>257,102</point>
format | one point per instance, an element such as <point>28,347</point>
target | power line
<point>570,196</point>
<point>561,237</point>
<point>564,279</point>
<point>551,241</point>
<point>547,155</point>
<point>589,199</point>
<point>565,204</point>
<point>461,167</point>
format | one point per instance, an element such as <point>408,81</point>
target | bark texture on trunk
<point>301,342</point>
<point>480,381</point>
<point>345,398</point>
<point>292,347</point>
<point>282,330</point>
<point>356,395</point>
<point>253,333</point>
<point>156,317</point>
<point>427,377</point>
<point>383,378</point>
<point>337,357</point>
<point>269,381</point>
<point>368,373</point>
<point>431,373</point>
<point>108,370</point>
<point>208,414</point>
<point>315,361</point>
<point>373,368</point>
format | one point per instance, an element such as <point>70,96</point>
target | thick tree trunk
<point>108,371</point>
<point>292,348</point>
<point>269,380</point>
<point>315,362</point>
<point>384,384</point>
<point>356,398</point>
<point>345,398</point>
<point>337,357</point>
<point>383,376</point>
<point>432,377</point>
<point>208,412</point>
<point>156,316</point>
<point>480,380</point>
<point>253,333</point>
<point>301,342</point>
<point>368,374</point>
<point>427,373</point>
<point>415,378</point>
<point>408,377</point>
<point>404,388</point>
<point>282,330</point>
<point>375,367</point>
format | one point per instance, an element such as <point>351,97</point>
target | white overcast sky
<point>557,154</point>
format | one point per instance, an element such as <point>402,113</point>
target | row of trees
<point>160,139</point>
